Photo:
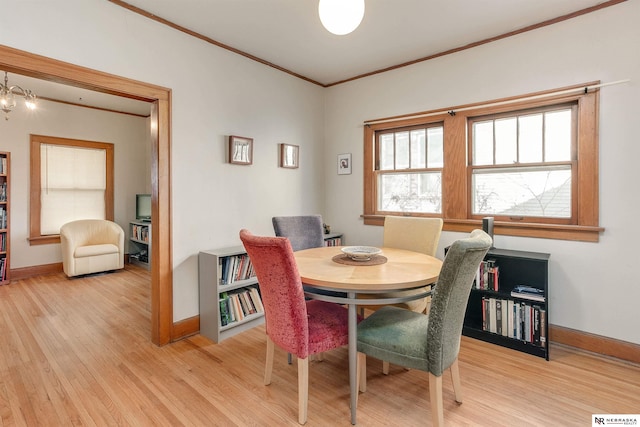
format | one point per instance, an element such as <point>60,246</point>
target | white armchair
<point>91,246</point>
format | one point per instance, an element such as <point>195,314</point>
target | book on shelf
<point>543,329</point>
<point>529,293</point>
<point>225,317</point>
<point>237,305</point>
<point>492,316</point>
<point>3,269</point>
<point>333,241</point>
<point>487,276</point>
<point>513,319</point>
<point>498,308</point>
<point>235,268</point>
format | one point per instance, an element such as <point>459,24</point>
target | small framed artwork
<point>289,155</point>
<point>240,150</point>
<point>344,164</point>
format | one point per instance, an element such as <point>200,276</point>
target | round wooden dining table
<point>328,275</point>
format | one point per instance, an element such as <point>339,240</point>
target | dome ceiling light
<point>341,17</point>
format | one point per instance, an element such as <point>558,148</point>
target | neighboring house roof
<point>551,203</point>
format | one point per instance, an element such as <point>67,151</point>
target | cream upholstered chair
<point>91,246</point>
<point>413,234</point>
<point>297,326</point>
<point>416,234</point>
<point>428,342</point>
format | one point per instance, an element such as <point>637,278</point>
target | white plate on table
<point>361,253</point>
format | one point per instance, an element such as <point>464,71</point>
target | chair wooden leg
<point>428,307</point>
<point>303,389</point>
<point>268,366</point>
<point>435,393</point>
<point>362,372</point>
<point>385,367</point>
<point>455,378</point>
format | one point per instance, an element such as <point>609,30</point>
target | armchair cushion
<point>93,250</point>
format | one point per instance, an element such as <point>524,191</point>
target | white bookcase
<point>222,273</point>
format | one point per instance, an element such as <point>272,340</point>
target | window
<point>522,165</point>
<point>70,179</point>
<point>409,169</point>
<point>531,162</point>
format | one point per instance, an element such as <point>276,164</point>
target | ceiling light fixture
<point>8,97</point>
<point>341,17</point>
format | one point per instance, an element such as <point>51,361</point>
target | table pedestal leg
<point>353,352</point>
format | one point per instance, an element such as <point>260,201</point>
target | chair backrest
<point>412,233</point>
<point>85,232</point>
<point>303,231</point>
<point>281,291</point>
<point>450,297</point>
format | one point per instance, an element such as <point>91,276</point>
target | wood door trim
<point>21,62</point>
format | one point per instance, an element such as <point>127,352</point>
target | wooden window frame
<point>572,163</point>
<point>455,174</point>
<point>35,235</point>
<point>378,172</point>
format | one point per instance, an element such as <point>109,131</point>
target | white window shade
<point>73,185</point>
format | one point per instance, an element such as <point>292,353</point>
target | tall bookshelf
<point>5,164</point>
<point>229,295</point>
<point>526,325</point>
<point>140,243</point>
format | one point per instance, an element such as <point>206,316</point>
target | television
<point>143,207</point>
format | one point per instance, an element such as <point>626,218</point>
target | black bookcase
<point>514,268</point>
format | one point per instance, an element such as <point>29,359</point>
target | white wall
<point>129,134</point>
<point>594,287</point>
<point>214,93</point>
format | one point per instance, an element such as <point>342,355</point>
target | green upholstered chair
<point>427,342</point>
<point>413,234</point>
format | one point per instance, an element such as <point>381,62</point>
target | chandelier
<point>341,17</point>
<point>8,97</point>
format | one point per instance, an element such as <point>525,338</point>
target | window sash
<point>523,192</point>
<point>70,179</point>
<point>73,185</point>
<point>539,135</point>
<point>410,148</point>
<point>416,192</point>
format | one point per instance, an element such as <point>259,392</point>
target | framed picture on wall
<point>240,150</point>
<point>344,164</point>
<point>289,155</point>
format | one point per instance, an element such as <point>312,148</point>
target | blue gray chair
<point>303,231</point>
<point>428,342</point>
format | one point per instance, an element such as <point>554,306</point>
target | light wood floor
<point>77,352</point>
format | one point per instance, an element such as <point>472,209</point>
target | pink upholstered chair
<point>297,326</point>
